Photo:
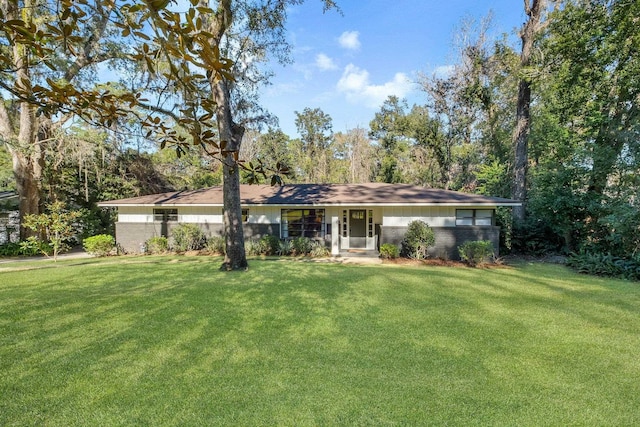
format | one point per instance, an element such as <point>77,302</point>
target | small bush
<point>10,249</point>
<point>478,252</point>
<point>418,238</point>
<point>319,250</point>
<point>157,245</point>
<point>389,251</point>
<point>285,247</point>
<point>270,244</point>
<point>100,245</point>
<point>301,246</point>
<point>254,247</point>
<point>188,237</point>
<point>601,264</point>
<point>215,245</point>
<point>32,246</point>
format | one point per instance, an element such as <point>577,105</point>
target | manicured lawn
<point>156,341</point>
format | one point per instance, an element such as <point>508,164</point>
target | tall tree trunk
<point>26,152</point>
<point>230,135</point>
<point>533,9</point>
<point>230,140</point>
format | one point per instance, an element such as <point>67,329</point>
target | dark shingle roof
<point>318,195</point>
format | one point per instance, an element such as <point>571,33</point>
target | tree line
<point>552,122</point>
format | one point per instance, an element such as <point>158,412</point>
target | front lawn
<point>172,341</point>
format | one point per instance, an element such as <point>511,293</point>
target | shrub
<point>301,246</point>
<point>254,247</point>
<point>605,264</point>
<point>157,245</point>
<point>319,250</point>
<point>270,244</point>
<point>10,249</point>
<point>32,246</point>
<point>478,252</point>
<point>285,247</point>
<point>418,238</point>
<point>389,251</point>
<point>215,245</point>
<point>100,245</point>
<point>188,237</point>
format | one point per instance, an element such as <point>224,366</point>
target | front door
<point>358,228</point>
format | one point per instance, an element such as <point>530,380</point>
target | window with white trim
<point>477,217</point>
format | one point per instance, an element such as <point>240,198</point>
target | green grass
<point>156,341</point>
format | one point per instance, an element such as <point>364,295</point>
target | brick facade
<point>447,238</point>
<point>132,235</point>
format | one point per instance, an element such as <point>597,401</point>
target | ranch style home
<point>347,217</point>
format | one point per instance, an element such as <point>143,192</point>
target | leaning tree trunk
<point>533,9</point>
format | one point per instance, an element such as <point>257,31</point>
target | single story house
<point>356,217</point>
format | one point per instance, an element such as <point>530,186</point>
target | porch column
<point>335,236</point>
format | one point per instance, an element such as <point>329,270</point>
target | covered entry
<point>357,228</point>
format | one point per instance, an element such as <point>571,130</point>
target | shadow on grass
<point>171,340</point>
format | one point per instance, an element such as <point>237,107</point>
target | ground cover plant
<point>172,341</point>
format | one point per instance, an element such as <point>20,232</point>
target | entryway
<point>357,228</point>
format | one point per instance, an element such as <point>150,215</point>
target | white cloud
<point>325,63</point>
<point>349,40</point>
<point>356,86</point>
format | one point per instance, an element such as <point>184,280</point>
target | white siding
<point>190,214</point>
<point>263,215</point>
<point>435,216</point>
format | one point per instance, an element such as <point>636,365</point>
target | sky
<point>348,64</point>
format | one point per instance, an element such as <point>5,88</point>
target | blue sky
<point>348,64</point>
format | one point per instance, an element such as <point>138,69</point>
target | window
<point>165,215</point>
<point>303,223</point>
<point>245,215</point>
<point>370,227</point>
<point>478,217</point>
<point>344,223</point>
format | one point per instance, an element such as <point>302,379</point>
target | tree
<point>315,128</point>
<point>357,156</point>
<point>184,55</point>
<point>389,130</point>
<point>586,147</point>
<point>534,9</point>
<point>55,227</point>
<point>467,107</point>
<point>47,49</point>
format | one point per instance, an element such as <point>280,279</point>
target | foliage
<point>600,264</point>
<point>215,245</point>
<point>33,246</point>
<point>389,251</point>
<point>99,245</point>
<point>187,237</point>
<point>315,129</point>
<point>285,247</point>
<point>476,252</point>
<point>271,244</point>
<point>11,249</point>
<point>56,227</point>
<point>417,240</point>
<point>319,250</point>
<point>157,245</point>
<point>301,246</point>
